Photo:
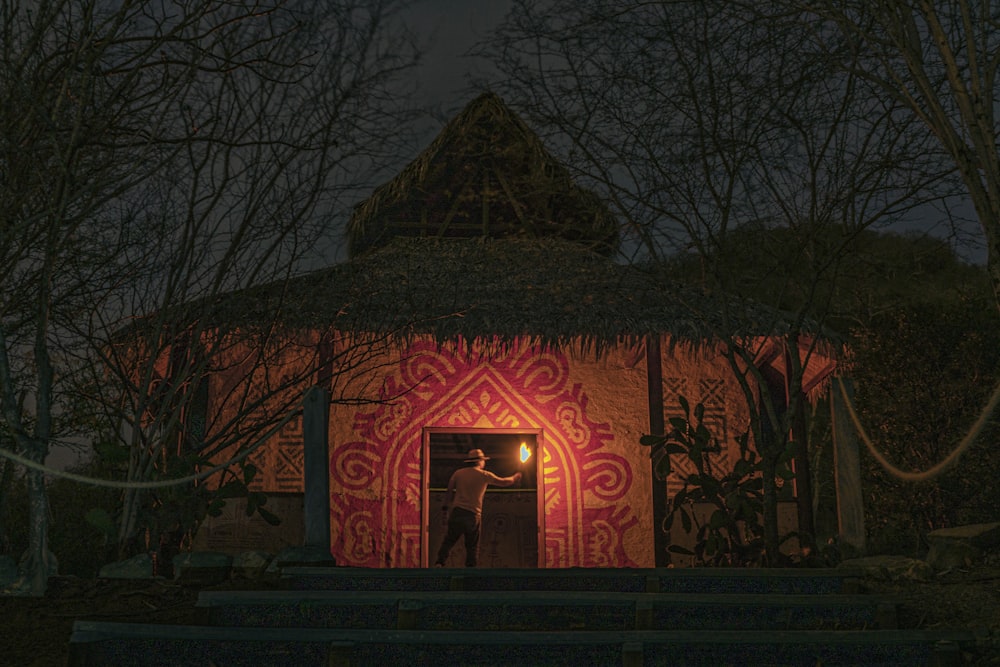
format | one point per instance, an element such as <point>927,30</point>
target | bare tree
<point>940,62</point>
<point>154,157</point>
<point>699,120</point>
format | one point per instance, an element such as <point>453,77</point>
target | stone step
<point>96,643</point>
<point>531,610</point>
<point>617,580</point>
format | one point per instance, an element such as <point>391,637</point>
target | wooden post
<point>847,469</point>
<point>803,475</point>
<point>799,432</point>
<point>316,461</point>
<point>654,383</point>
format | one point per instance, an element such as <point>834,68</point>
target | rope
<point>922,476</point>
<point>159,484</point>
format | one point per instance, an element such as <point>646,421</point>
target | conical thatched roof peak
<point>485,175</point>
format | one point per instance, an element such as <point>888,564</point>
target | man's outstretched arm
<point>506,481</point>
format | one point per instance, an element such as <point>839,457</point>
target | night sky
<point>451,28</point>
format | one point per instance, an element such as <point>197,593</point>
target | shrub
<point>733,535</point>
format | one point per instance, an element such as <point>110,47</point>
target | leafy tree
<point>732,535</point>
<point>700,119</point>
<point>153,158</point>
<point>938,61</point>
<point>923,367</point>
<point>922,340</point>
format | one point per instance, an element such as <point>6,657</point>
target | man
<point>466,489</point>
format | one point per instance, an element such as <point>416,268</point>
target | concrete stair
<point>347,616</point>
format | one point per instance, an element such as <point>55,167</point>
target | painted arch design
<point>376,480</point>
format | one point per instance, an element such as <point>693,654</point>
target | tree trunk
<point>770,511</point>
<point>38,563</point>
<point>803,475</point>
<point>131,499</point>
<point>6,479</point>
<point>993,263</point>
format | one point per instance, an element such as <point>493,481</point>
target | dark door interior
<point>509,535</point>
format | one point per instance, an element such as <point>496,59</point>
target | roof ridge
<point>485,174</point>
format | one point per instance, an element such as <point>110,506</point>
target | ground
<point>964,599</point>
<point>36,631</point>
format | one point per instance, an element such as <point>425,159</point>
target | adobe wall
<point>591,412</point>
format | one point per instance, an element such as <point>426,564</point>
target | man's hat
<point>476,455</point>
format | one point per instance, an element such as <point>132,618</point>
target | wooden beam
<point>514,204</point>
<point>455,205</point>
<point>847,469</point>
<point>486,202</point>
<point>316,463</point>
<point>658,488</point>
<point>799,433</point>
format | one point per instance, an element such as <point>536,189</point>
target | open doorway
<point>512,518</point>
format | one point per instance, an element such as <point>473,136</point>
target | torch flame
<point>525,453</point>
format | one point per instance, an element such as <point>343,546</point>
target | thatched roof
<point>485,175</point>
<point>550,291</point>
<point>484,238</point>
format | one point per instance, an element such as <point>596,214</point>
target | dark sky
<point>451,28</point>
<point>446,30</point>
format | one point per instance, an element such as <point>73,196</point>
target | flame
<point>525,453</point>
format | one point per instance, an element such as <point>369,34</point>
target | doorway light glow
<point>525,453</point>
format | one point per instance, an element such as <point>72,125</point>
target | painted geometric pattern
<point>376,479</point>
<point>234,530</point>
<point>280,464</point>
<point>711,392</point>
